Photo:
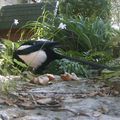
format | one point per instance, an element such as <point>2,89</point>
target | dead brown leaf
<point>27,105</point>
<point>41,80</point>
<point>67,76</point>
<point>50,76</point>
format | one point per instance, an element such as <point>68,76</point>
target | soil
<point>81,99</point>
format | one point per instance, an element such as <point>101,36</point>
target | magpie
<point>38,54</point>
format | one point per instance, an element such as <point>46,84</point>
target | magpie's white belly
<point>34,59</point>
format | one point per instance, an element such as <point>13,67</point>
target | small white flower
<point>41,39</point>
<point>116,26</point>
<point>16,22</point>
<point>38,1</point>
<point>62,26</point>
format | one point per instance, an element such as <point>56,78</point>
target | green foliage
<point>82,34</point>
<point>43,27</point>
<point>86,34</point>
<point>7,64</point>
<point>72,67</point>
<point>114,44</point>
<point>64,65</point>
<point>85,8</point>
<point>7,86</point>
<point>99,56</point>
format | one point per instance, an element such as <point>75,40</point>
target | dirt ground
<point>81,99</point>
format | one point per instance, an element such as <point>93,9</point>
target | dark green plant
<point>7,63</point>
<point>86,34</point>
<point>61,66</point>
<point>8,86</point>
<point>85,8</point>
<point>43,27</point>
<point>99,56</point>
<point>73,67</point>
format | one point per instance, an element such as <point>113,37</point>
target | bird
<point>38,54</point>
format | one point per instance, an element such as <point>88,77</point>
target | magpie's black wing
<point>37,45</point>
<point>30,42</point>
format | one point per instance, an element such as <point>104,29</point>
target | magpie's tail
<point>85,62</point>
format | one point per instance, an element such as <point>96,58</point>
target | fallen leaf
<point>41,80</point>
<point>74,76</point>
<point>35,80</point>
<point>9,102</point>
<point>92,94</point>
<point>44,100</point>
<point>23,99</point>
<point>27,105</point>
<point>66,76</point>
<point>50,76</point>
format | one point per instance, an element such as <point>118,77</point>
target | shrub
<point>86,8</point>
